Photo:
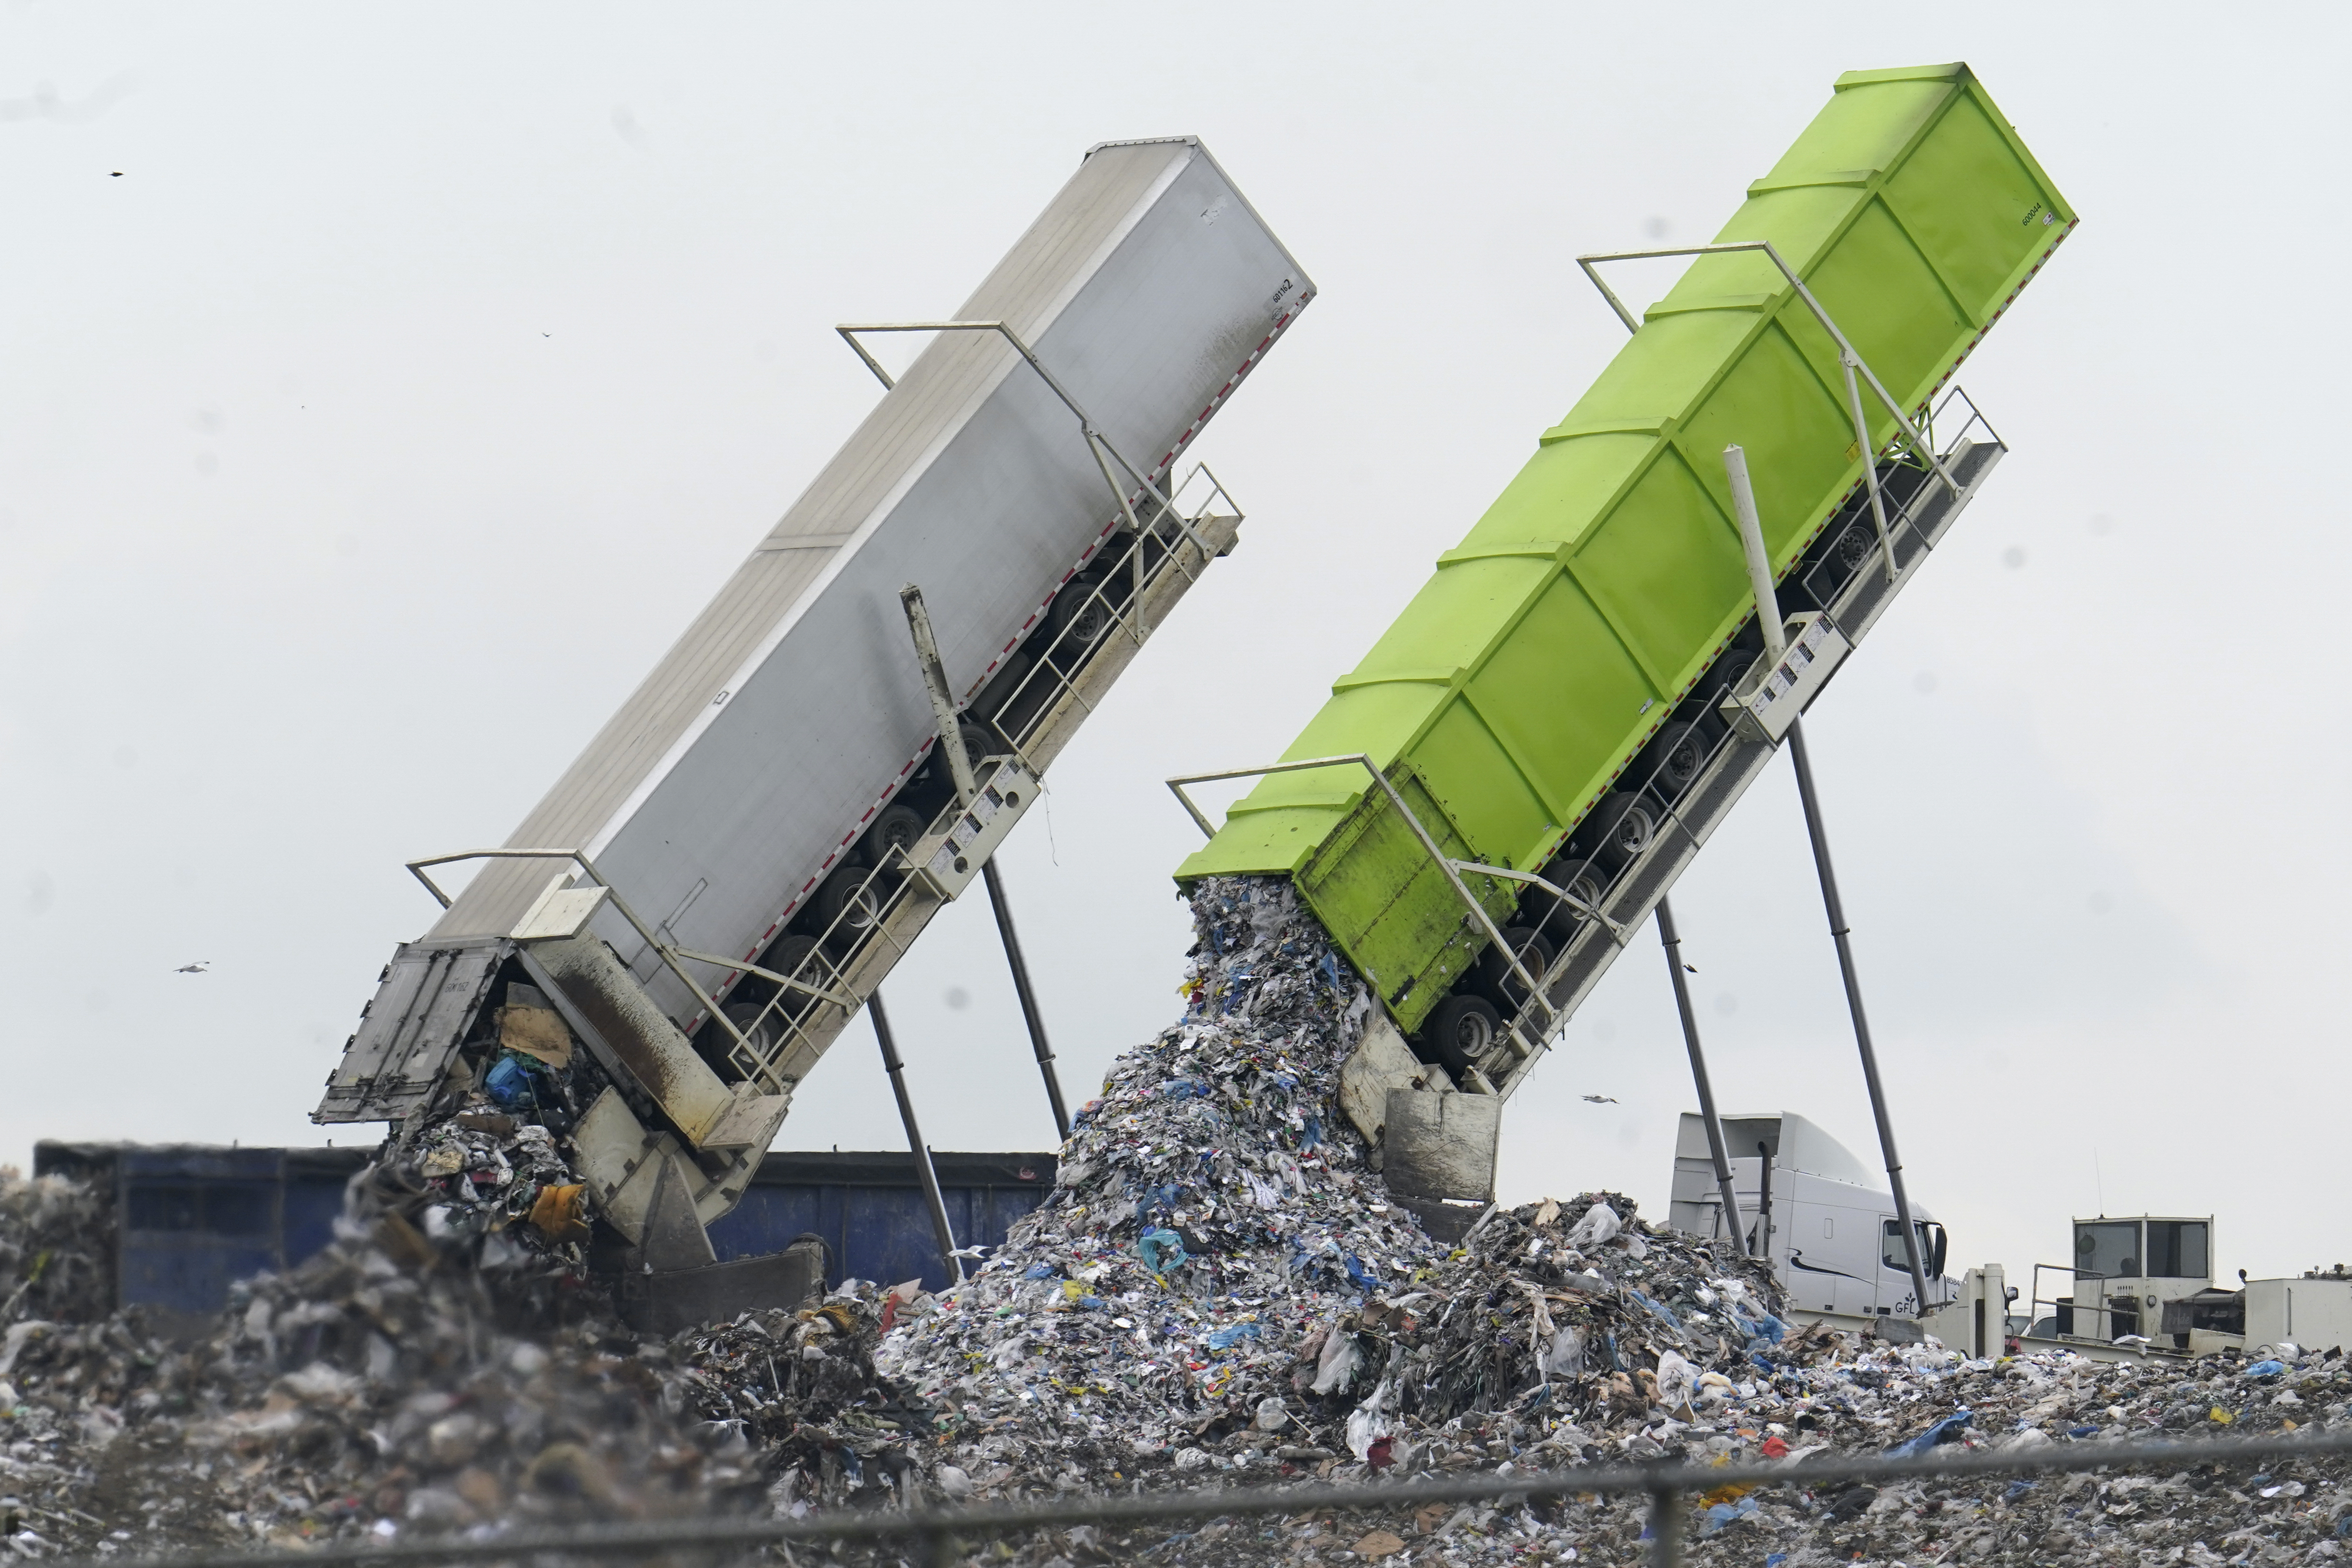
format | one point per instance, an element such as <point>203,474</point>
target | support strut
<point>922,1153</point>
<point>1029,1013</point>
<point>1776,643</point>
<point>1839,932</point>
<point>1672,941</point>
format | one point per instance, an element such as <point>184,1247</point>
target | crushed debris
<point>447,1365</point>
<point>1219,1293</point>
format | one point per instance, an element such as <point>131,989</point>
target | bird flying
<point>196,969</point>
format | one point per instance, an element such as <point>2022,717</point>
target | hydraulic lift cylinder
<point>1671,939</point>
<point>1767,613</point>
<point>916,1147</point>
<point>1029,1013</point>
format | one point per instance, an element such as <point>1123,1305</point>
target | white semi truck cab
<point>1827,1221</point>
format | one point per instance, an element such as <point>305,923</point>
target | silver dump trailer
<point>711,891</point>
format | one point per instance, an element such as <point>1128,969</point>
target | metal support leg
<point>924,1174</point>
<point>1767,613</point>
<point>1029,1012</point>
<point>1672,943</point>
<point>1839,934</point>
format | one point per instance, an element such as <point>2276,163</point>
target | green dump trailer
<point>1578,695</point>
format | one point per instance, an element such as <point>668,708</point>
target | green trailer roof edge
<point>1903,73</point>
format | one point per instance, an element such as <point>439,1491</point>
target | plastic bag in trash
<point>1600,1224</point>
<point>1722,1514</point>
<point>1946,1430</point>
<point>1160,1250</point>
<point>1677,1382</point>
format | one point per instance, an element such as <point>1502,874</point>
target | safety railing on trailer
<point>1105,600</point>
<point>817,989</point>
<point>1906,486</point>
<point>944,1537</point>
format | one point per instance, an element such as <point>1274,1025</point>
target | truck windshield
<point>2109,1248</point>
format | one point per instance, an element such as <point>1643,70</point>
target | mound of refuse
<point>1219,1291</point>
<point>1220,1281</point>
<point>423,1374</point>
<point>57,1249</point>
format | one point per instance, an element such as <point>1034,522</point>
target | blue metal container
<point>191,1220</point>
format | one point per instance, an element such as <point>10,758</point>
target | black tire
<point>844,903</point>
<point>796,956</point>
<point>1721,682</point>
<point>1460,1029</point>
<point>1493,971</point>
<point>1854,547</point>
<point>1575,875</point>
<point>1673,759</point>
<point>897,828</point>
<point>741,1014</point>
<point>990,704</point>
<point>979,741</point>
<point>1618,829</point>
<point>1078,617</point>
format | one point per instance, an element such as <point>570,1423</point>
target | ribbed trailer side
<point>1608,578</point>
<point>766,751</point>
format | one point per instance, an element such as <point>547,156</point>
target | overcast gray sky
<point>387,386</point>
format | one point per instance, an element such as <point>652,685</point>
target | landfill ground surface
<point>1219,1293</point>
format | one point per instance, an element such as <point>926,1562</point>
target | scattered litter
<point>1218,1293</point>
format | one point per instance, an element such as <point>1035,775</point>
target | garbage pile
<point>1220,1283</point>
<point>446,1366</point>
<point>1831,1393</point>
<point>1167,1310</point>
<point>1219,1291</point>
<point>57,1249</point>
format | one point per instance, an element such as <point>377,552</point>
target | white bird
<point>1602,1099</point>
<point>196,969</point>
<point>972,1252</point>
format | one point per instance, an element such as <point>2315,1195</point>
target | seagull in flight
<point>197,968</point>
<point>1601,1098</point>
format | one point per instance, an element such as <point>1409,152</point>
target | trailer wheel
<point>795,955</point>
<point>1460,1029</point>
<point>897,828</point>
<point>979,741</point>
<point>1576,876</point>
<point>1078,616</point>
<point>1854,546</point>
<point>1676,756</point>
<point>845,904</point>
<point>999,691</point>
<point>1495,972</point>
<point>1620,828</point>
<point>762,1035</point>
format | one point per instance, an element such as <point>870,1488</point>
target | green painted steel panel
<point>1547,648</point>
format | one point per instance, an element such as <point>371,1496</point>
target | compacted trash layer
<point>1219,1293</point>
